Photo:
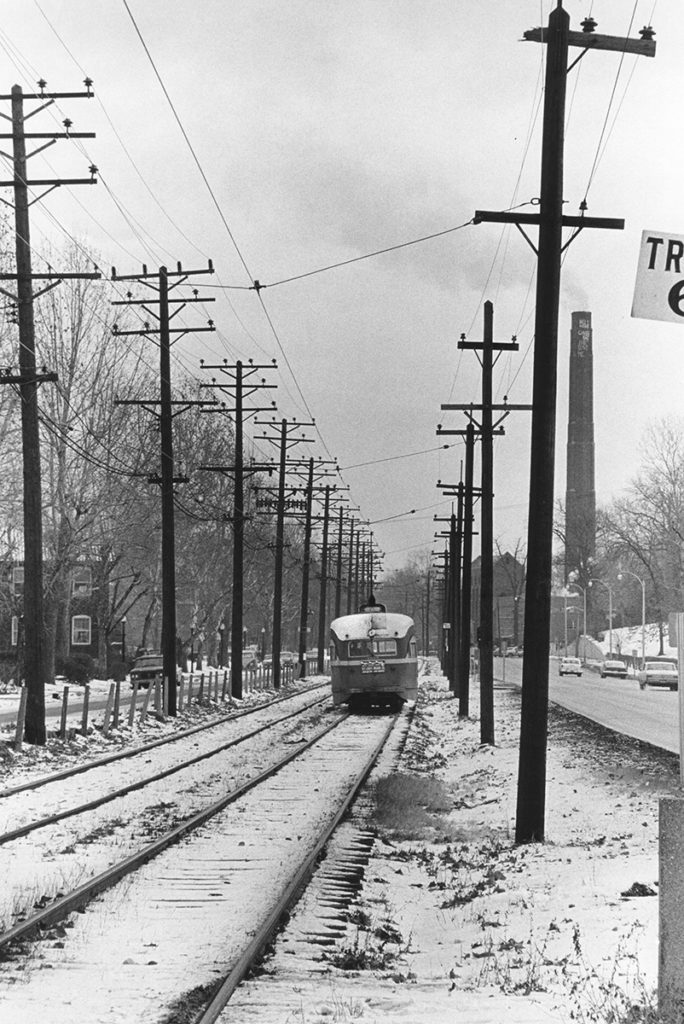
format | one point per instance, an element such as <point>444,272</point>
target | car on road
<point>617,669</point>
<point>570,667</point>
<point>659,673</point>
<point>146,668</point>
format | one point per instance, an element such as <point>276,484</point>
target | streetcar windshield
<point>368,648</point>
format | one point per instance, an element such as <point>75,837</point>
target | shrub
<point>77,668</point>
<point>117,670</point>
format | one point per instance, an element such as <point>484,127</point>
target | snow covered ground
<point>454,922</point>
<point>457,924</point>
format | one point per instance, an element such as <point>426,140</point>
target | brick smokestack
<point>580,494</point>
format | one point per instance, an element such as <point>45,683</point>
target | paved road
<point>651,715</point>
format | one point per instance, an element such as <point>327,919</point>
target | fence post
<point>165,698</point>
<point>225,684</point>
<point>65,708</point>
<point>190,681</point>
<point>84,713</point>
<point>157,695</point>
<point>117,704</point>
<point>200,692</point>
<point>21,717</point>
<point>134,701</point>
<point>181,693</point>
<point>146,703</point>
<point>108,710</point>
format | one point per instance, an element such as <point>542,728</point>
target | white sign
<point>659,288</point>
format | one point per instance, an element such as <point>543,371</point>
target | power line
<point>393,458</point>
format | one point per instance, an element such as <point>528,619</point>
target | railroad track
<point>197,902</point>
<point>48,833</point>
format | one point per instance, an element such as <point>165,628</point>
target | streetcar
<point>373,657</point>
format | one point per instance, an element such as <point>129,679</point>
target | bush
<point>118,670</point>
<point>76,668</point>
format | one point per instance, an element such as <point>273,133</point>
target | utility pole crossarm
<point>644,47</point>
<point>568,221</point>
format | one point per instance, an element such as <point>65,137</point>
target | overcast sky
<point>328,129</point>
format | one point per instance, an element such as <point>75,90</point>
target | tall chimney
<point>580,493</point>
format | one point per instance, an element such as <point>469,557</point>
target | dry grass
<point>411,806</point>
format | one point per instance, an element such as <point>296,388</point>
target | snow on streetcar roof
<point>356,627</point>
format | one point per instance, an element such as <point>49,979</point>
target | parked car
<point>288,658</point>
<point>617,669</point>
<point>146,668</point>
<point>570,667</point>
<point>659,673</point>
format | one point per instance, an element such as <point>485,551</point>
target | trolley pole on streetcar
<point>158,308</point>
<point>238,385</point>
<point>550,220</point>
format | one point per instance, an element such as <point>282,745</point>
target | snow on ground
<point>457,924</point>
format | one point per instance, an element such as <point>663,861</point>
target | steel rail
<point>289,895</point>
<point>131,787</point>
<point>120,755</point>
<point>80,896</point>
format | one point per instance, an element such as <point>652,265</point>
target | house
<point>80,615</point>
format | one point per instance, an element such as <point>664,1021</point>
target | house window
<point>80,630</point>
<point>18,580</point>
<point>15,631</point>
<point>82,582</point>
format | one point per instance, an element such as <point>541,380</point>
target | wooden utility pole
<point>285,440</point>
<point>304,607</point>
<point>239,385</point>
<point>550,221</point>
<point>452,588</point>
<point>485,634</point>
<point>467,572</point>
<point>324,582</point>
<point>28,379</point>
<point>159,309</point>
<point>350,566</point>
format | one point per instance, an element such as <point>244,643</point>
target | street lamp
<point>610,610</point>
<point>584,619</point>
<point>568,608</point>
<point>123,639</point>
<point>643,610</point>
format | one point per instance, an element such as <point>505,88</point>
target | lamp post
<point>584,619</point>
<point>610,610</point>
<point>643,610</point>
<point>123,639</point>
<point>568,608</point>
<point>263,642</point>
